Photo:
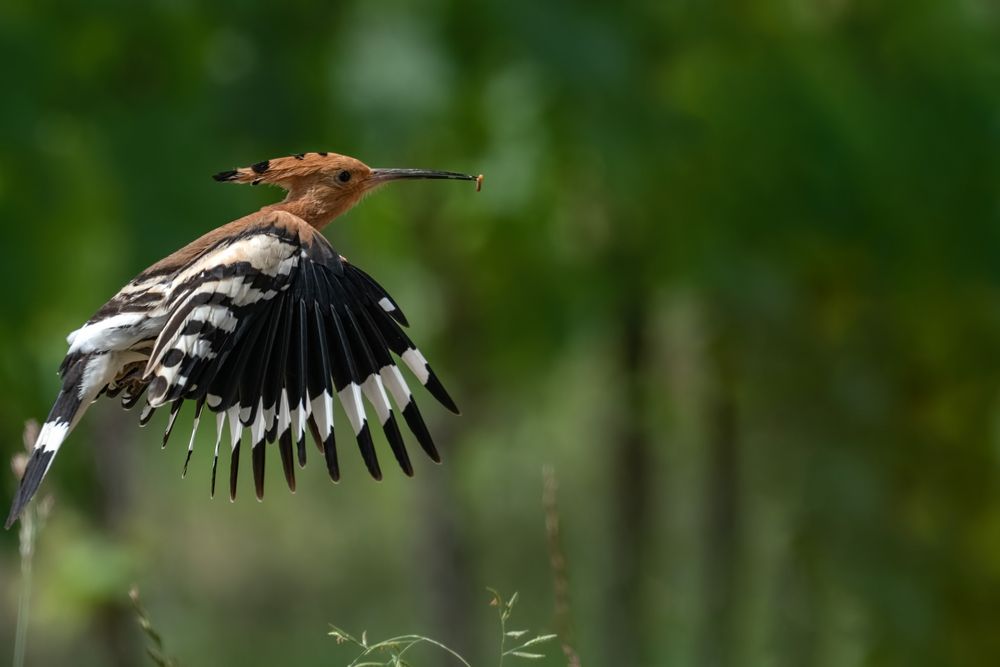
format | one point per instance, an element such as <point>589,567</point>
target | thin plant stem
<point>411,641</point>
<point>503,609</point>
<point>155,647</point>
<point>399,646</point>
<point>27,539</point>
<point>503,630</point>
<point>32,519</point>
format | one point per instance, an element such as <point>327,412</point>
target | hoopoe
<point>262,322</point>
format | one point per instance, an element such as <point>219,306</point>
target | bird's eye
<point>344,176</point>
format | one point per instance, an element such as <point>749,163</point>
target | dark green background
<point>735,273</point>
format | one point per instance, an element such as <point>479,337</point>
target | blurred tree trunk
<point>114,458</point>
<point>797,612</point>
<point>445,579</point>
<point>447,582</point>
<point>722,516</point>
<point>631,466</point>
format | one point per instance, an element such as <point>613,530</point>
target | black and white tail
<point>77,394</point>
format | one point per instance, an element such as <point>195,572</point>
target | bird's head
<point>322,186</point>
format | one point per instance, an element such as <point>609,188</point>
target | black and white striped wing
<point>267,331</point>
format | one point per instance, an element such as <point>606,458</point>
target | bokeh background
<point>734,273</point>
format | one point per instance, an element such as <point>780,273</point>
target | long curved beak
<point>379,176</point>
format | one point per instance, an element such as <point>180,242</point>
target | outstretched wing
<point>267,329</point>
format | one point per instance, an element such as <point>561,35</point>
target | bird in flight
<point>262,322</point>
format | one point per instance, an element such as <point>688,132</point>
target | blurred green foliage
<point>734,272</point>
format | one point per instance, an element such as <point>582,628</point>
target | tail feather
<point>38,465</point>
<point>68,409</point>
<point>84,378</point>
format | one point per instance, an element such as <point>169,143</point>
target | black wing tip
<point>395,439</point>
<point>417,426</point>
<point>438,391</point>
<point>314,432</point>
<point>234,471</point>
<point>330,454</point>
<point>367,447</point>
<point>215,467</point>
<point>228,175</point>
<point>187,460</point>
<point>287,458</point>
<point>258,469</point>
